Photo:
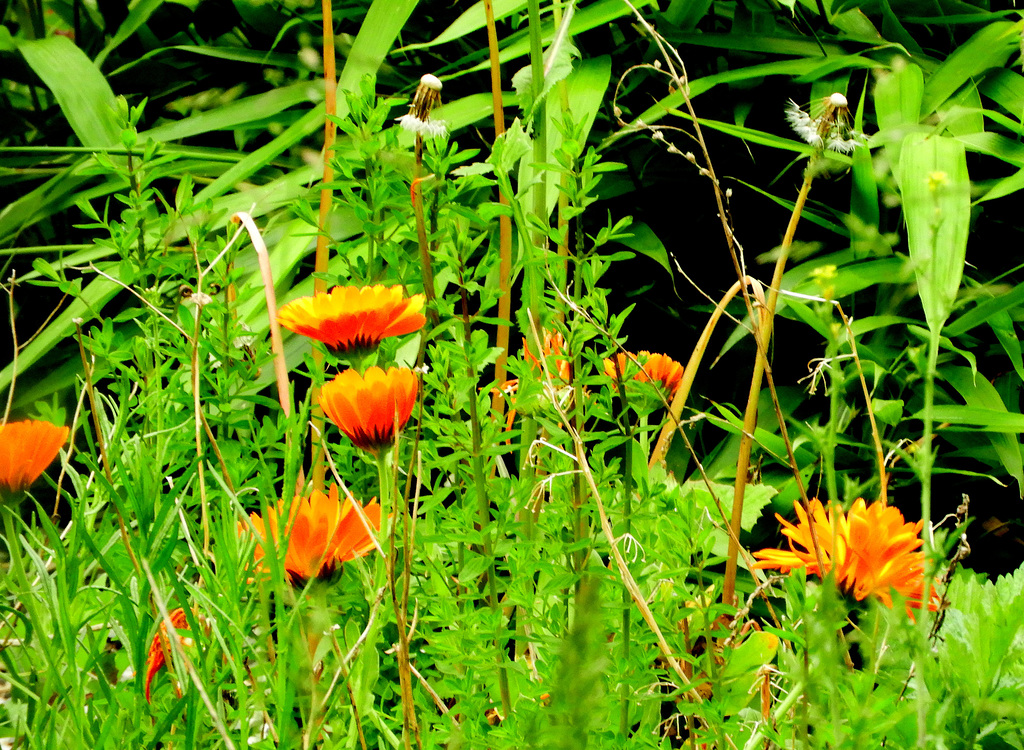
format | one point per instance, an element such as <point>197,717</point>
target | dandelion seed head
<point>432,82</point>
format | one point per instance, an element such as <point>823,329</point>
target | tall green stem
<point>531,275</point>
<point>925,461</point>
<point>388,504</point>
<point>484,504</point>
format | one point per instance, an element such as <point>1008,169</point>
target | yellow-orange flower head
<point>654,368</point>
<point>321,533</point>
<point>26,449</point>
<point>354,319</point>
<point>365,407</point>
<point>872,548</point>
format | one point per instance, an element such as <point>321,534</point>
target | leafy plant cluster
<point>566,563</point>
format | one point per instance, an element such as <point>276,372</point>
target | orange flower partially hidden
<point>365,407</point>
<point>873,550</point>
<point>554,348</point>
<point>654,368</point>
<point>26,449</point>
<point>321,533</point>
<point>159,649</point>
<point>354,319</point>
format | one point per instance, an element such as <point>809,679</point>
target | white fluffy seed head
<point>838,100</point>
<point>431,82</point>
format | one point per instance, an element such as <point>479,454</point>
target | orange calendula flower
<point>873,550</point>
<point>654,368</point>
<point>354,319</point>
<point>554,347</point>
<point>26,449</point>
<point>365,407</point>
<point>321,533</point>
<point>159,649</point>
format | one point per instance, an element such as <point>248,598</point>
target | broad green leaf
<point>993,144</point>
<point>936,192</point>
<point>991,47</point>
<point>586,88</point>
<point>684,14</point>
<point>377,34</point>
<point>644,241</point>
<point>991,420</point>
<point>980,393</point>
<point>85,97</point>
<point>898,97</point>
<point>962,113</point>
<point>1005,88</point>
<point>261,157</point>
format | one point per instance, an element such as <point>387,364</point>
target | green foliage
<point>553,590</point>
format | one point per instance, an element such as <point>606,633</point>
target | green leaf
<point>472,20</point>
<point>936,190</point>
<point>557,65</point>
<point>978,392</point>
<point>755,499</point>
<point>897,100</point>
<point>989,48</point>
<point>82,92</point>
<point>138,15</point>
<point>1002,326</point>
<point>643,240</point>
<point>888,411</point>
<point>93,297</point>
<point>238,113</point>
<point>377,34</point>
<point>978,315</point>
<point>992,420</point>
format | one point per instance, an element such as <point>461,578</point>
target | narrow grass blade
<point>980,393</point>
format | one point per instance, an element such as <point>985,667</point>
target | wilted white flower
<point>428,96</point>
<point>831,129</point>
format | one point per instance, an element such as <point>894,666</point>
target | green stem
<point>484,506</point>
<point>540,203</point>
<point>410,726</point>
<point>627,517</point>
<point>925,461</point>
